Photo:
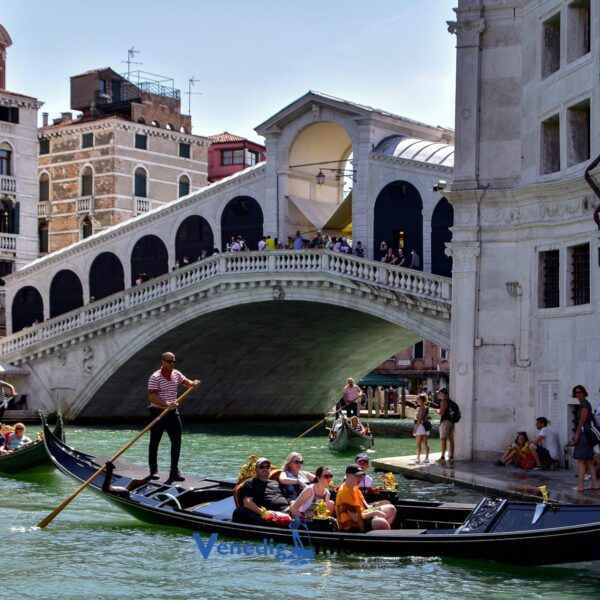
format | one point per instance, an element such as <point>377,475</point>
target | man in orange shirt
<point>352,511</point>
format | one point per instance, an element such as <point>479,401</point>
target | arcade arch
<point>149,256</point>
<point>441,221</point>
<point>27,308</point>
<point>66,293</point>
<point>242,216</point>
<point>106,276</point>
<point>193,236</point>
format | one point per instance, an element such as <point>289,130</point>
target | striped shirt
<point>165,388</point>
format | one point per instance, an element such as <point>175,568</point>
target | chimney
<point>44,119</point>
<point>66,117</point>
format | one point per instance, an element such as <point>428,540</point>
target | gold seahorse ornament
<point>388,482</point>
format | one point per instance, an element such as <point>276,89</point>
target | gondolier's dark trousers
<point>171,423</point>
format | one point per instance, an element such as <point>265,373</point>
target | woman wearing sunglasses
<point>305,504</point>
<point>293,479</point>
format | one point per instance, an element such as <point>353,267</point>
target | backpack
<point>453,411</point>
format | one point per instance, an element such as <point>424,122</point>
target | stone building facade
<point>526,283</point>
<point>18,177</point>
<point>127,154</point>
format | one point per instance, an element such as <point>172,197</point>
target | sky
<point>249,58</point>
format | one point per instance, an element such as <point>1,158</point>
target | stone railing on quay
<point>375,274</point>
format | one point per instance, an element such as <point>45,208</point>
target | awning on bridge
<point>318,213</point>
<point>6,369</point>
<point>383,380</point>
<point>341,219</point>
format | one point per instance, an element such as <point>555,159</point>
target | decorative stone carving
<point>316,111</point>
<point>467,32</point>
<point>88,360</point>
<point>464,255</point>
<point>278,293</point>
<point>61,356</point>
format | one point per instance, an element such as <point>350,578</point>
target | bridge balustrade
<point>409,281</point>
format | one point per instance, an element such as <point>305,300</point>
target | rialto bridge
<point>269,333</point>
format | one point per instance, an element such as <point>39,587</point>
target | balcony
<point>8,241</point>
<point>142,205</point>
<point>43,209</point>
<point>8,185</point>
<point>85,205</point>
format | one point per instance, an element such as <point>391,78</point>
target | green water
<point>93,550</point>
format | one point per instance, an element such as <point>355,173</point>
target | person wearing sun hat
<point>362,460</point>
<point>353,512</point>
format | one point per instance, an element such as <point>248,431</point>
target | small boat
<point>494,529</point>
<point>32,455</point>
<point>342,436</point>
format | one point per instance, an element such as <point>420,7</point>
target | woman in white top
<point>422,428</point>
<point>293,479</point>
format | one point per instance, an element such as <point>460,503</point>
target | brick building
<point>130,151</point>
<point>228,154</point>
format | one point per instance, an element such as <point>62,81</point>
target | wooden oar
<point>62,506</point>
<point>317,424</point>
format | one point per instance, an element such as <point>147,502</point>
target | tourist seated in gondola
<point>357,426</point>
<point>365,484</point>
<point>293,479</point>
<point>306,504</point>
<point>259,492</point>
<point>17,438</point>
<point>3,449</point>
<point>353,512</point>
<point>518,453</point>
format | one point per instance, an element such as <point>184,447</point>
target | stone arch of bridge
<point>66,292</point>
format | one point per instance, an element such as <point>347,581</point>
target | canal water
<point>93,550</point>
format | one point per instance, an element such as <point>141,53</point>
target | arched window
<point>184,186</point>
<point>7,216</point>
<point>140,183</point>
<point>141,120</point>
<point>87,181</point>
<point>183,129</point>
<point>44,187</point>
<point>5,159</point>
<point>43,237</point>
<point>155,124</point>
<point>86,228</point>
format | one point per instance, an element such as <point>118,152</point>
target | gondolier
<point>351,394</point>
<point>162,392</point>
<point>4,397</point>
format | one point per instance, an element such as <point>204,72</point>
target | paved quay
<point>488,479</point>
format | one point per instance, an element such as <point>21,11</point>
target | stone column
<point>361,217</point>
<point>462,339</point>
<point>274,223</point>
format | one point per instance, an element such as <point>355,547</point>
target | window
<point>550,146</point>
<point>184,186</point>
<point>8,217</point>
<point>44,188</point>
<point>10,114</point>
<point>578,29</point>
<point>87,140</point>
<point>86,228</point>
<point>579,265</point>
<point>418,350</point>
<point>551,46</point>
<point>578,128</point>
<point>251,158</point>
<point>443,354</point>
<point>5,160</point>
<point>232,157</point>
<point>87,182</point>
<point>549,290</point>
<point>184,150</point>
<point>45,146</point>
<point>102,86</point>
<point>43,238</point>
<point>140,183</point>
<point>141,141</point>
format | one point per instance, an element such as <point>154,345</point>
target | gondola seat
<point>221,510</point>
<point>397,532</point>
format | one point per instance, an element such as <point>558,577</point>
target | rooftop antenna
<point>191,82</point>
<point>130,56</point>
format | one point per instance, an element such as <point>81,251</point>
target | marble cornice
<point>7,100</point>
<point>407,162</point>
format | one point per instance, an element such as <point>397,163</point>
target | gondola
<point>31,456</point>
<point>343,437</point>
<point>494,529</point>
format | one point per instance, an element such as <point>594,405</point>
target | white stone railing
<point>8,241</point>
<point>142,205</point>
<point>8,184</point>
<point>85,204</point>
<point>421,285</point>
<point>43,209</point>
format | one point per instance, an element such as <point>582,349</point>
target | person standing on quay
<point>162,393</point>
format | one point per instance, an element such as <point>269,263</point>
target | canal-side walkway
<point>487,478</point>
